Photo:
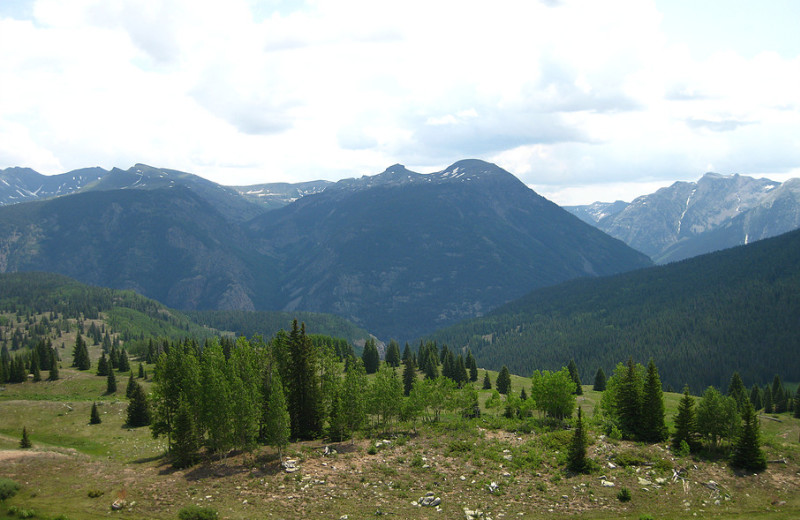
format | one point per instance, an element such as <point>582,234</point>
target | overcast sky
<point>582,100</point>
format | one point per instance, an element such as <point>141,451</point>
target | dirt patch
<point>9,455</point>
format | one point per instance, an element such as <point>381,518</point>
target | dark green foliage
<point>131,387</point>
<point>194,512</point>
<point>94,417</point>
<point>629,402</point>
<point>503,383</point>
<point>768,405</point>
<point>102,365</point>
<point>652,426</point>
<point>138,413</point>
<point>186,446</point>
<point>523,394</point>
<point>756,398</point>
<point>80,354</point>
<point>303,385</point>
<point>409,375</point>
<point>54,375</point>
<point>124,364</point>
<point>25,442</point>
<point>624,495</point>
<point>392,357</point>
<point>371,357</point>
<point>141,371</point>
<point>685,423</point>
<point>277,426</point>
<point>737,390</point>
<point>431,366</point>
<point>111,382</point>
<point>747,453</point>
<point>599,380</point>
<point>8,488</point>
<point>699,320</point>
<point>472,366</point>
<point>573,373</point>
<point>576,454</point>
<point>487,382</point>
<point>797,403</point>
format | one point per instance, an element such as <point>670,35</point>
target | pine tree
<point>747,453</point>
<point>409,375</point>
<point>573,373</point>
<point>431,366</point>
<point>599,380</point>
<point>303,395</point>
<point>124,362</point>
<point>503,383</point>
<point>778,395</point>
<point>37,374</point>
<point>768,407</point>
<point>138,413</point>
<point>54,375</point>
<point>653,428</point>
<point>131,386</point>
<point>141,371</point>
<point>393,354</point>
<point>186,446</point>
<point>755,398</point>
<point>523,395</point>
<point>629,402</point>
<point>25,442</point>
<point>472,366</point>
<point>576,454</point>
<point>371,357</point>
<point>737,390</point>
<point>407,352</point>
<point>797,403</point>
<point>80,354</point>
<point>111,382</point>
<point>685,423</point>
<point>94,417</point>
<point>487,382</point>
<point>102,365</point>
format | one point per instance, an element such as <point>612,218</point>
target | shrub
<point>645,516</point>
<point>95,493</point>
<point>624,495</point>
<point>197,513</point>
<point>8,488</point>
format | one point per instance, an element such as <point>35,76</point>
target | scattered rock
<point>118,504</point>
<point>644,482</point>
<point>290,465</point>
<point>493,487</point>
<point>476,515</point>
<point>661,481</point>
<point>606,483</point>
<point>611,465</point>
<point>430,500</point>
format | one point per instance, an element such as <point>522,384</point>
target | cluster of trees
<point>16,368</point>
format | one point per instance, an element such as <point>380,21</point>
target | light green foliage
<point>8,488</point>
<point>193,512</point>
<point>276,426</point>
<point>243,372</point>
<point>215,404</point>
<point>553,393</point>
<point>717,417</point>
<point>386,395</point>
<point>354,399</point>
<point>433,396</point>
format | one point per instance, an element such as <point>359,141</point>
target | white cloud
<point>563,94</point>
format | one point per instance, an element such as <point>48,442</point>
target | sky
<point>580,99</point>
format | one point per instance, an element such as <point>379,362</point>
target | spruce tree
<point>37,374</point>
<point>747,453</point>
<point>487,382</point>
<point>124,362</point>
<point>685,423</point>
<point>797,403</point>
<point>576,454</point>
<point>737,390</point>
<point>102,365</point>
<point>303,395</point>
<point>370,356</point>
<point>431,366</point>
<point>111,382</point>
<point>393,354</point>
<point>131,386</point>
<point>141,371</point>
<point>472,366</point>
<point>768,407</point>
<point>599,380</point>
<point>54,375</point>
<point>138,413</point>
<point>409,375</point>
<point>573,373</point>
<point>755,398</point>
<point>778,395</point>
<point>503,383</point>
<point>25,442</point>
<point>94,417</point>
<point>186,439</point>
<point>653,428</point>
<point>629,402</point>
<point>80,354</point>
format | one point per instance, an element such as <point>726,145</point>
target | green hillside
<point>700,320</point>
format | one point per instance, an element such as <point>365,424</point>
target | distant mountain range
<point>700,320</point>
<point>399,253</point>
<point>687,219</point>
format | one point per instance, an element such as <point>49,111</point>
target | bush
<point>624,495</point>
<point>197,513</point>
<point>8,488</point>
<point>646,517</point>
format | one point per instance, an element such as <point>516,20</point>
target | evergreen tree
<point>472,366</point>
<point>409,375</point>
<point>141,371</point>
<point>797,403</point>
<point>778,395</point>
<point>215,398</point>
<point>25,442</point>
<point>131,386</point>
<point>487,382</point>
<point>54,375</point>
<point>599,380</point>
<point>653,428</point>
<point>755,398</point>
<point>102,365</point>
<point>80,354</point>
<point>138,413</point>
<point>94,417</point>
<point>523,395</point>
<point>629,402</point>
<point>111,382</point>
<point>576,454</point>
<point>747,453</point>
<point>393,354</point>
<point>303,395</point>
<point>431,366</point>
<point>685,422</point>
<point>573,373</point>
<point>461,377</point>
<point>37,375</point>
<point>186,447</point>
<point>737,390</point>
<point>124,362</point>
<point>277,426</point>
<point>371,357</point>
<point>503,383</point>
<point>768,408</point>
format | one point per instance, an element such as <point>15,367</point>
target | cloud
<point>725,125</point>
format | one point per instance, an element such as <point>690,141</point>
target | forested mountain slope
<point>699,319</point>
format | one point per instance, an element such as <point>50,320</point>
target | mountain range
<point>399,253</point>
<point>687,219</point>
